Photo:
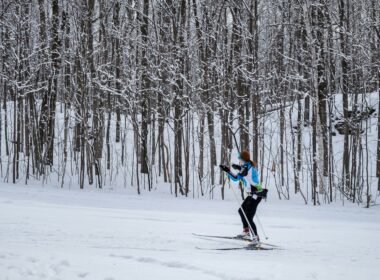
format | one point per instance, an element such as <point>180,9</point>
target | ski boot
<point>244,235</point>
<point>255,241</point>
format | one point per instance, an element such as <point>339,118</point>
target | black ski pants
<point>249,207</point>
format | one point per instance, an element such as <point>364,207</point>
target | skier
<point>247,174</point>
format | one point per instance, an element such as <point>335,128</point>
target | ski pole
<point>261,226</point>
<point>242,210</point>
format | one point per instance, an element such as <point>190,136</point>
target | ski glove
<point>236,166</point>
<point>224,168</point>
<point>262,193</point>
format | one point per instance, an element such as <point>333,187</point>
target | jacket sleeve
<point>238,176</point>
<point>232,176</point>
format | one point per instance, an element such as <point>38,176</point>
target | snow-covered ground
<point>49,233</point>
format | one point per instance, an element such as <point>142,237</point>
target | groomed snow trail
<point>48,233</point>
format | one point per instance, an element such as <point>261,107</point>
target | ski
<point>248,247</point>
<point>233,238</point>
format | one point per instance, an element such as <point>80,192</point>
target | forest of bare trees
<point>143,92</point>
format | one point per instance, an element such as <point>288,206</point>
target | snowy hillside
<point>48,233</point>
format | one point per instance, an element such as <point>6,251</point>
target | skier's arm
<point>233,177</point>
<point>238,176</point>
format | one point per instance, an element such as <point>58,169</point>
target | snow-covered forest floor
<point>49,233</point>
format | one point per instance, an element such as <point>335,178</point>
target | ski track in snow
<point>67,235</point>
<point>181,265</point>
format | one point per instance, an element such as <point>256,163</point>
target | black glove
<point>236,166</point>
<point>224,168</point>
<point>262,193</point>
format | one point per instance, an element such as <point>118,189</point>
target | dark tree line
<point>136,92</point>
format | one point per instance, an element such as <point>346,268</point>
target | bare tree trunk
<point>15,144</point>
<point>145,86</point>
<point>377,71</point>
<point>186,142</point>
<point>322,96</point>
<point>345,89</point>
<point>282,145</point>
<point>201,151</point>
<point>56,61</point>
<point>178,128</point>
<point>378,140</point>
<point>299,143</point>
<point>210,121</point>
<point>224,145</point>
<point>254,51</point>
<point>314,153</point>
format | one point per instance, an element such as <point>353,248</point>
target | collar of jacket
<point>247,164</point>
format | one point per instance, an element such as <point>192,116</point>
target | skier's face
<point>241,161</point>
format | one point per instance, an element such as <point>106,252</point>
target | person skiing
<point>247,174</point>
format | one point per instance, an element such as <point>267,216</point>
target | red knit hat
<point>244,155</point>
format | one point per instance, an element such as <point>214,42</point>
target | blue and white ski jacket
<point>248,175</point>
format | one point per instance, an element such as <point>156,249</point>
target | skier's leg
<point>253,225</point>
<point>244,207</point>
<point>255,204</point>
<point>252,212</point>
